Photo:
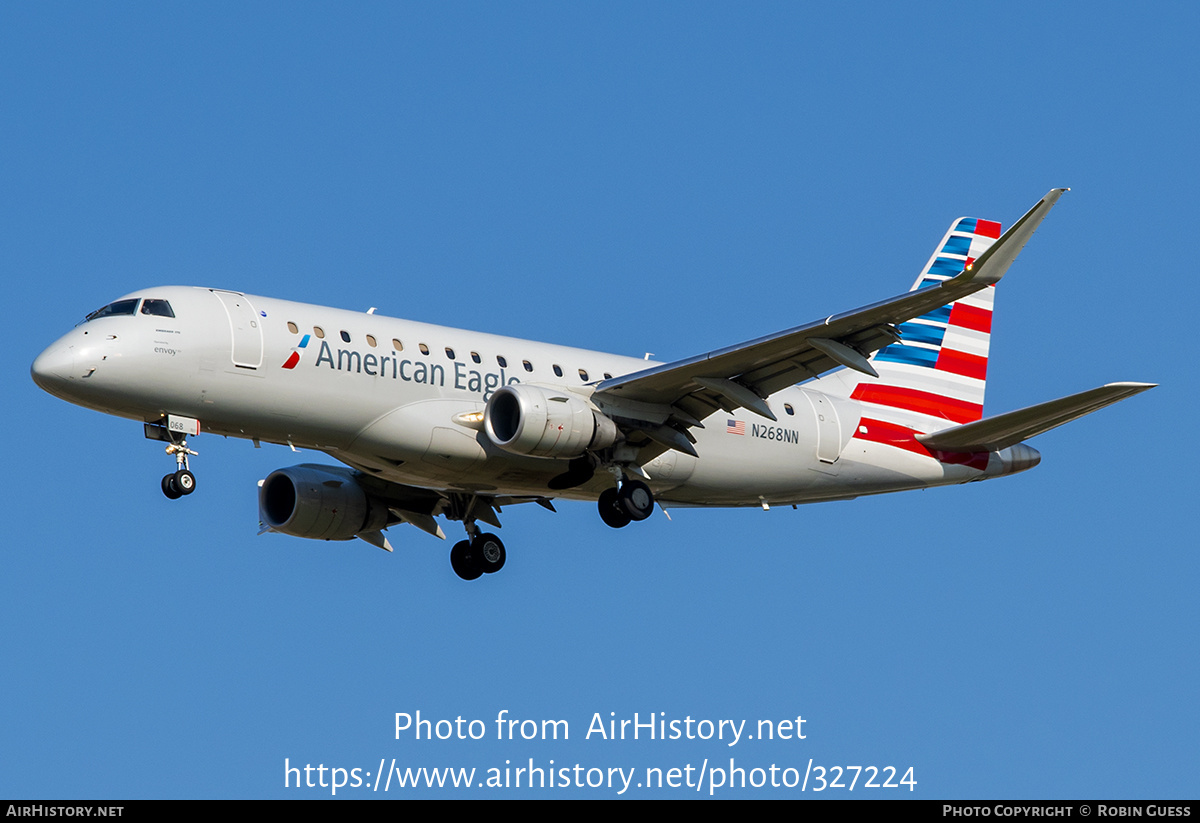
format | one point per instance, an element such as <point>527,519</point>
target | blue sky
<point>671,179</point>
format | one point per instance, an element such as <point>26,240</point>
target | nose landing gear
<point>175,434</point>
<point>182,481</point>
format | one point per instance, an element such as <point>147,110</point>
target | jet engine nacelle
<point>542,422</point>
<point>319,502</point>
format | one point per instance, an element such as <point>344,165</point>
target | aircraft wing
<point>674,396</point>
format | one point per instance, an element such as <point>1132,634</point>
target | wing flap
<point>1004,430</point>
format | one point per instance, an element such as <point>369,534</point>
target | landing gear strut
<point>182,481</point>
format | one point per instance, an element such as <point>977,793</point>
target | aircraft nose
<point>52,368</point>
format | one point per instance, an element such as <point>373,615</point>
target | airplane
<point>433,421</point>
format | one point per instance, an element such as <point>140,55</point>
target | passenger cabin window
<point>527,364</point>
<point>345,336</point>
<point>397,345</point>
<point>371,341</point>
<point>557,370</point>
<point>500,359</point>
<point>113,309</point>
<point>607,376</point>
<point>319,332</point>
<point>293,328</point>
<point>475,357</point>
<point>787,407</point>
<point>449,352</point>
<point>583,375</point>
<point>158,308</point>
<point>424,349</point>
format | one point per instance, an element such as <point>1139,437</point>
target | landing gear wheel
<point>169,488</point>
<point>610,510</point>
<point>637,500</point>
<point>464,561</point>
<point>489,553</point>
<point>185,481</point>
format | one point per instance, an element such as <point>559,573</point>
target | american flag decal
<point>735,427</point>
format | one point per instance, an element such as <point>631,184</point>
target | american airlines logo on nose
<point>294,358</point>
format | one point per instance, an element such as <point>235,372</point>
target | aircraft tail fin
<point>937,372</point>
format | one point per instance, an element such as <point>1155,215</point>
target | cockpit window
<point>119,307</point>
<point>160,308</point>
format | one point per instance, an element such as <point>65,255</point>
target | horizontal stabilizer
<point>1004,430</point>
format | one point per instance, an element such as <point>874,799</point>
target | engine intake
<point>545,422</point>
<point>318,502</point>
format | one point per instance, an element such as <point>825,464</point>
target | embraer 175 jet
<point>435,421</point>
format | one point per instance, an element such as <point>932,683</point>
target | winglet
<point>994,262</point>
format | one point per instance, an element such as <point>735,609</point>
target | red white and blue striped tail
<point>936,375</point>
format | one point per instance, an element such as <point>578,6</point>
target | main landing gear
<point>181,481</point>
<point>480,555</point>
<point>632,501</point>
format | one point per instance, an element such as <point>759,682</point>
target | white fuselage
<point>382,395</point>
